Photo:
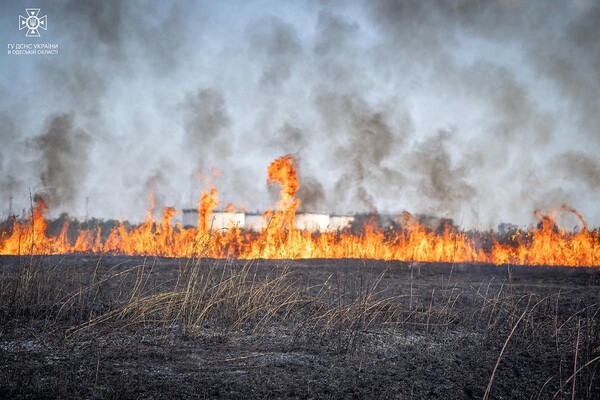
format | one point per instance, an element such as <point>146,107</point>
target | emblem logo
<point>32,22</point>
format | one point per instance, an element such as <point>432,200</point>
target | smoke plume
<point>480,111</point>
<point>63,151</point>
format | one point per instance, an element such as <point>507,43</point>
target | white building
<point>312,222</point>
<point>255,222</point>
<point>225,220</point>
<point>218,220</point>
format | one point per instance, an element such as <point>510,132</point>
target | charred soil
<point>91,326</point>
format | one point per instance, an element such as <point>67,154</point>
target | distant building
<point>224,220</point>
<point>255,222</point>
<point>218,219</point>
<point>312,222</point>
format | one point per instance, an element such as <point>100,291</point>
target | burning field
<point>156,311</point>
<point>547,244</point>
<point>405,205</point>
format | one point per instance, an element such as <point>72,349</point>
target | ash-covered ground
<point>91,326</point>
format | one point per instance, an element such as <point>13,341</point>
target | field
<point>98,326</point>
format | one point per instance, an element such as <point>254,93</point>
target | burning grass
<point>546,244</point>
<point>226,316</point>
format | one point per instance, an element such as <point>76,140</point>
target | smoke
<point>9,183</point>
<point>368,142</point>
<point>481,111</point>
<point>206,123</point>
<point>438,180</point>
<point>63,150</point>
<point>291,139</point>
<point>105,20</point>
<point>276,46</point>
<point>581,167</point>
<point>159,185</point>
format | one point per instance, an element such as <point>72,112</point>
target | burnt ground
<point>84,326</point>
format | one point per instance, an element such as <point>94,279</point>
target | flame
<point>283,171</point>
<point>547,244</point>
<point>206,205</point>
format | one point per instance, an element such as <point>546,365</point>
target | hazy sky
<point>481,111</point>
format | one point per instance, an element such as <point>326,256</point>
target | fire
<point>548,244</point>
<point>206,205</point>
<point>283,171</point>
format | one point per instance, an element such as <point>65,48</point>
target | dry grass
<point>341,311</point>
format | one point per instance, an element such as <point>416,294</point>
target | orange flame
<point>547,244</point>
<point>206,205</point>
<point>283,171</point>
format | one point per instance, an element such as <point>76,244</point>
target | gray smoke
<point>480,111</point>
<point>291,139</point>
<point>63,149</point>
<point>206,121</point>
<point>104,18</point>
<point>9,169</point>
<point>439,180</point>
<point>368,143</point>
<point>580,166</point>
<point>275,45</point>
<point>158,184</point>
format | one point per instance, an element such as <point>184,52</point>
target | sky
<point>480,111</point>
